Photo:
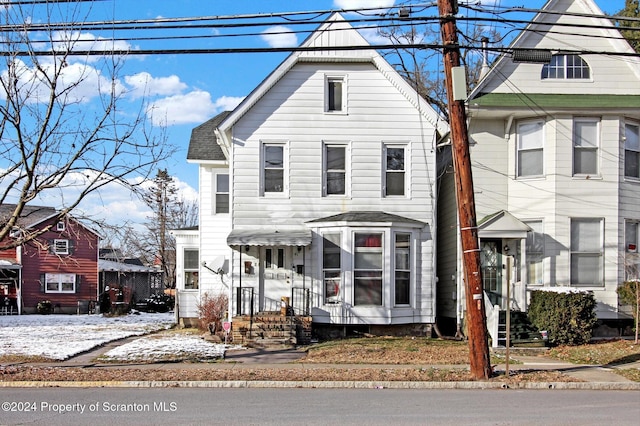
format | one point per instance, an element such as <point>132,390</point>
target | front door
<point>491,263</point>
<point>276,277</point>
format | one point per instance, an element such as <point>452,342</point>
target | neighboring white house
<point>555,154</point>
<point>321,183</point>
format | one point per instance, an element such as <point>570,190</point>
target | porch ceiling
<point>262,237</point>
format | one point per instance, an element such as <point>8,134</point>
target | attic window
<point>60,226</point>
<point>569,67</point>
<point>335,99</point>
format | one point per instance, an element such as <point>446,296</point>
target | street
<point>182,406</point>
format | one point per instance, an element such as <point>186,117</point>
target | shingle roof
<point>367,216</point>
<point>203,143</point>
<point>31,215</point>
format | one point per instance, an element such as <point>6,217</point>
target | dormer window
<point>566,67</point>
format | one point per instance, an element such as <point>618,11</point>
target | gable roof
<point>589,30</point>
<point>336,32</point>
<point>32,216</point>
<point>203,145</point>
<point>502,224</point>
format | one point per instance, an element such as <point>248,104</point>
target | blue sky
<point>188,89</point>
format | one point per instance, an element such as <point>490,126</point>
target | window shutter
<point>72,246</point>
<point>43,278</point>
<point>78,276</point>
<point>52,247</point>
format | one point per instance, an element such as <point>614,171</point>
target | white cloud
<point>279,36</point>
<point>228,103</point>
<point>363,4</point>
<point>193,107</point>
<point>63,41</point>
<point>144,84</point>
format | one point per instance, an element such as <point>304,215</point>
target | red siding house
<point>60,266</point>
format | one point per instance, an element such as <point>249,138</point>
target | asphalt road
<point>186,406</point>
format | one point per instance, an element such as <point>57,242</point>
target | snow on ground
<point>60,337</point>
<point>160,347</point>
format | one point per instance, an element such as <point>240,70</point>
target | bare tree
<point>61,124</point>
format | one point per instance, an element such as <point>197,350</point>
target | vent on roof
<point>531,56</point>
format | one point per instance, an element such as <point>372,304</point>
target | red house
<point>59,267</point>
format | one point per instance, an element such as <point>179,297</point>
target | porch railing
<point>301,301</point>
<point>244,301</point>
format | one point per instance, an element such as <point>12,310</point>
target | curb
<point>245,384</point>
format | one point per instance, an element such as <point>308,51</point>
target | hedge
<point>568,317</point>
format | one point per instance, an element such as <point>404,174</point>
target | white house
<point>555,152</point>
<point>320,187</point>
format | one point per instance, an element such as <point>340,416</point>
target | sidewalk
<point>592,377</point>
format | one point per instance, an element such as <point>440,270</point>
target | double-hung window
<point>331,267</point>
<point>61,246</point>
<point>535,253</point>
<point>395,170</point>
<point>530,142</point>
<point>274,179</point>
<point>335,169</point>
<point>632,250</point>
<point>367,274</point>
<point>60,283</point>
<point>402,265</point>
<point>586,137</point>
<point>587,252</point>
<point>632,150</point>
<point>222,193</point>
<point>191,261</point>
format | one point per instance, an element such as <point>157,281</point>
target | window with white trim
<point>535,253</point>
<point>191,260</point>
<point>60,226</point>
<point>632,250</point>
<point>402,264</point>
<point>335,169</point>
<point>60,246</point>
<point>586,140</point>
<point>222,193</point>
<point>60,283</point>
<point>632,150</point>
<point>367,273</point>
<point>395,170</point>
<point>335,94</point>
<point>274,177</point>
<point>566,67</point>
<point>587,252</point>
<point>331,267</point>
<point>530,143</point>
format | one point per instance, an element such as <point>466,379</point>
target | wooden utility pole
<point>475,317</point>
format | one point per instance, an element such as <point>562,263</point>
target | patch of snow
<point>60,337</point>
<point>152,348</point>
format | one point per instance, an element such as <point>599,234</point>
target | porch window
<point>587,252</point>
<point>535,253</point>
<point>60,283</point>
<point>632,251</point>
<point>191,267</point>
<point>586,139</point>
<point>222,193</point>
<point>632,150</point>
<point>568,67</point>
<point>368,269</point>
<point>335,169</point>
<point>395,170</point>
<point>530,149</point>
<point>402,269</point>
<point>331,267</point>
<point>273,168</point>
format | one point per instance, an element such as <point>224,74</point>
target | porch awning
<point>502,224</point>
<point>9,264</point>
<point>268,237</point>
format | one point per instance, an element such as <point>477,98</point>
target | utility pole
<point>476,319</point>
